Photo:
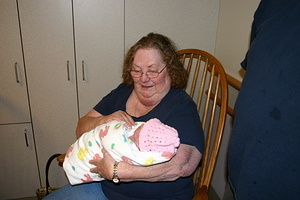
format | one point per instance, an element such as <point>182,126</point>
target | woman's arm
<point>182,164</point>
<point>88,122</point>
<point>94,118</point>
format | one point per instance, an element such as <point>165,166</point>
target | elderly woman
<point>153,83</point>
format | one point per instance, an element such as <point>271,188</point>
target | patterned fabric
<point>115,138</point>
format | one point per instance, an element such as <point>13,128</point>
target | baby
<point>144,144</point>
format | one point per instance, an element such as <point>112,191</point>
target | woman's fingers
<point>124,117</point>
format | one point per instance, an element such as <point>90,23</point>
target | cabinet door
<point>14,106</point>
<point>18,166</point>
<point>190,24</point>
<point>99,37</point>
<point>47,32</point>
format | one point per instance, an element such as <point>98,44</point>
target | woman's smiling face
<point>150,90</point>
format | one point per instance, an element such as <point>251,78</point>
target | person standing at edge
<point>264,150</point>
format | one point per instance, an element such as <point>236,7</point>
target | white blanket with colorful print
<point>114,137</point>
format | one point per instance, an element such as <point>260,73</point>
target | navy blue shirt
<point>264,151</point>
<point>176,109</point>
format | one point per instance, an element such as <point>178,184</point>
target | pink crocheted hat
<point>158,137</point>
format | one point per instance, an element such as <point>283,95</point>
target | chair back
<point>208,87</point>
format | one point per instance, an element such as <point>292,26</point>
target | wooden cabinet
<point>99,44</point>
<point>48,43</point>
<point>61,89</point>
<point>18,165</point>
<point>14,107</point>
<point>19,172</point>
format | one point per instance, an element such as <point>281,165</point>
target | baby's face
<point>136,135</point>
<point>138,130</point>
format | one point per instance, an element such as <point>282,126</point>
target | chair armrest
<point>60,159</point>
<point>201,194</point>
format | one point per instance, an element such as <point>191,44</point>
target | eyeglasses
<point>150,74</point>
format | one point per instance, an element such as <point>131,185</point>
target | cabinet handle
<point>68,70</point>
<point>26,139</point>
<point>17,72</point>
<point>83,70</point>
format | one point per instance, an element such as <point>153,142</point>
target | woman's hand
<point>93,119</point>
<point>119,116</point>
<point>104,167</point>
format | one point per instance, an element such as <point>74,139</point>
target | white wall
<point>233,33</point>
<point>190,24</point>
<point>234,25</point>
